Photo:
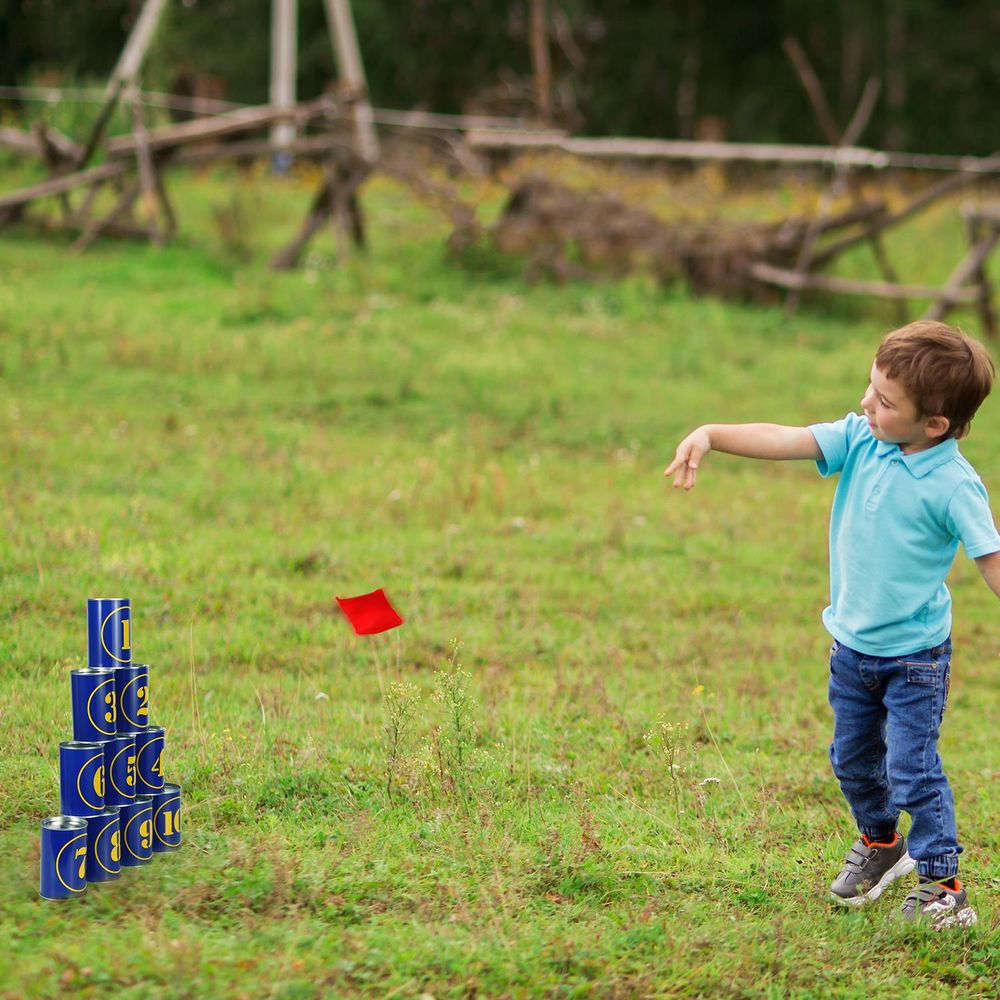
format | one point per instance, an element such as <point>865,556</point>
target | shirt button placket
<point>875,497</point>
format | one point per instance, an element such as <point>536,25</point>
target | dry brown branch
<point>540,62</point>
<point>465,224</point>
<point>918,204</point>
<point>836,188</point>
<point>814,90</point>
<point>953,290</point>
<point>97,227</point>
<point>975,224</point>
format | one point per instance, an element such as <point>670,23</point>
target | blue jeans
<point>887,716</point>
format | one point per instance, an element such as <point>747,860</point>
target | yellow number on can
<point>158,765</point>
<point>126,629</point>
<point>146,833</point>
<point>82,852</point>
<point>116,846</point>
<point>99,781</point>
<point>130,771</point>
<point>142,694</point>
<point>109,699</point>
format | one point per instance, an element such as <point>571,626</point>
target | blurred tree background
<point>659,68</point>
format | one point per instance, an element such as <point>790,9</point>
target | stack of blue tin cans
<point>116,809</point>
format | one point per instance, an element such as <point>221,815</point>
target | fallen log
<point>969,268</point>
<point>35,143</point>
<point>552,225</point>
<point>917,204</point>
<point>215,127</point>
<point>58,185</point>
<point>682,149</point>
<point>784,278</point>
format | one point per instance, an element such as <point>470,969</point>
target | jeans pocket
<point>928,672</point>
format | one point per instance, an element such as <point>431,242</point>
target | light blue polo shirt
<point>894,530</point>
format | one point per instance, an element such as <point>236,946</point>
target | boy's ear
<point>936,427</point>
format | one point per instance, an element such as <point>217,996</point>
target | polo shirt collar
<point>920,463</point>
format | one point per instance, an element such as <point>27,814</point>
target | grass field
<point>616,784</point>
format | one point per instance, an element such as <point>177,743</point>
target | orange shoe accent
<point>949,884</point>
<point>880,843</point>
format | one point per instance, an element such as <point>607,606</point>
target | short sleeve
<point>834,440</point>
<point>970,520</point>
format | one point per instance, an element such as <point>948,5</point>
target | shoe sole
<point>963,917</point>
<point>902,867</point>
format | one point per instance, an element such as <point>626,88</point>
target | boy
<point>905,499</point>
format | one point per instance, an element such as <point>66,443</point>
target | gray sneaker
<point>939,905</point>
<point>868,868</point>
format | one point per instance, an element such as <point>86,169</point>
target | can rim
<point>64,823</point>
<point>78,744</point>
<point>92,670</point>
<point>127,599</point>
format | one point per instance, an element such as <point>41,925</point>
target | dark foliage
<point>634,67</point>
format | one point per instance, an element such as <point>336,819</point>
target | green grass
<point>232,447</point>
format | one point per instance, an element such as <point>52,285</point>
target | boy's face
<point>893,416</point>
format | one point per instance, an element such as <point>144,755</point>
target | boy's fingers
<point>680,457</point>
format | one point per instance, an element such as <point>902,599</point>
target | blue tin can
<point>119,770</point>
<point>109,631</point>
<point>137,831</point>
<point>81,778</point>
<point>63,858</point>
<point>149,760</point>
<point>167,818</point>
<point>104,846</point>
<point>93,693</point>
<point>132,693</point>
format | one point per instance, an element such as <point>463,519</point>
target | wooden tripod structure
<point>134,163</point>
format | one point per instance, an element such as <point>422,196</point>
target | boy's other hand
<point>687,458</point>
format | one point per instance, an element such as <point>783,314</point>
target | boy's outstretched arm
<point>989,566</point>
<point>773,441</point>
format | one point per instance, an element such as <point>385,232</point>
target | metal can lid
<point>64,823</point>
<point>81,745</point>
<point>170,786</point>
<point>93,670</point>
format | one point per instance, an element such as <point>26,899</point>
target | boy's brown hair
<point>944,372</point>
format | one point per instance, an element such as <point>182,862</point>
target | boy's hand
<point>687,458</point>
